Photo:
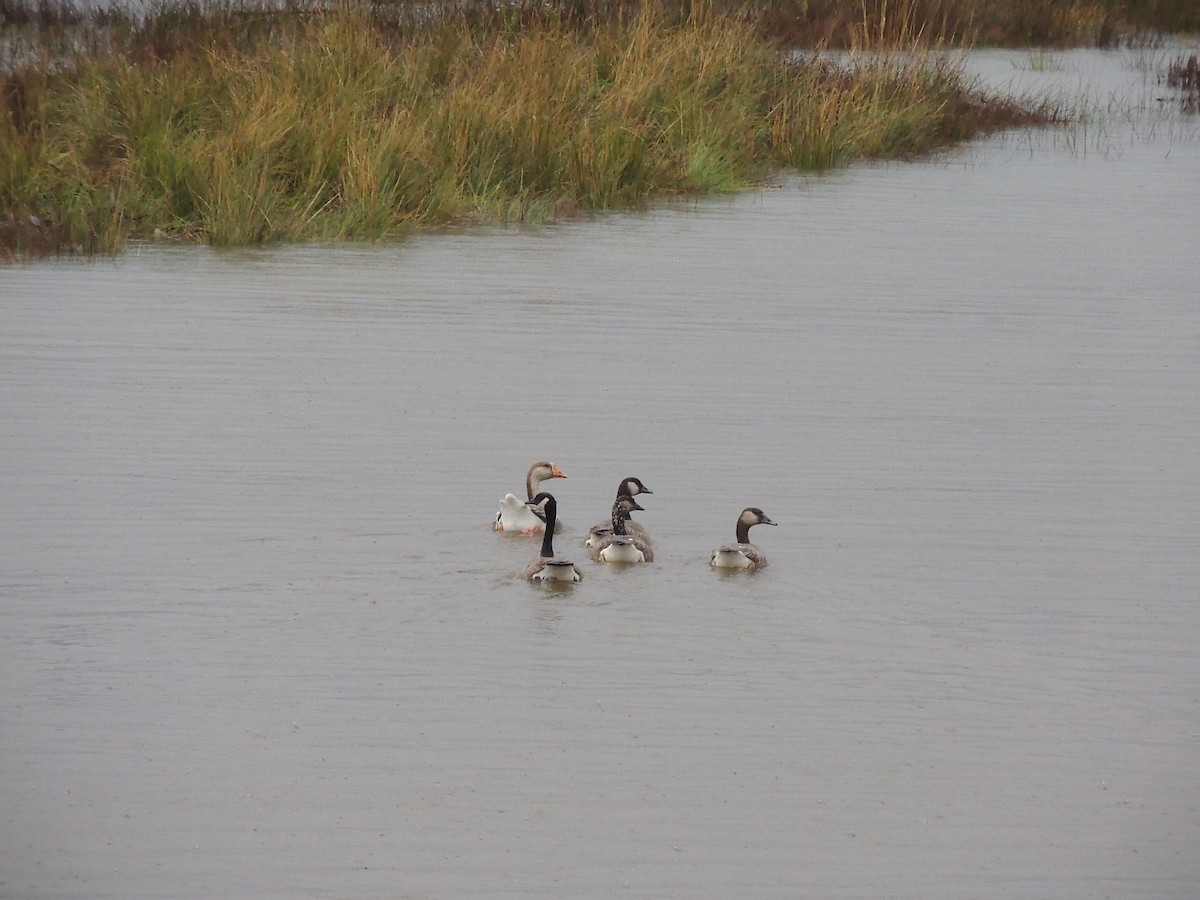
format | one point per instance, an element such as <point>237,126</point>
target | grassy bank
<point>236,127</point>
<point>809,23</point>
<point>1010,23</point>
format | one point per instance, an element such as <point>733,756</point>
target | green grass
<point>235,128</point>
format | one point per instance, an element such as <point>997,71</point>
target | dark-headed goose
<point>629,487</point>
<point>743,554</point>
<point>516,515</point>
<point>622,546</point>
<point>548,567</point>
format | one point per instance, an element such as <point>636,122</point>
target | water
<point>258,639</point>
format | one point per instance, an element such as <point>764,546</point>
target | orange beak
<point>558,473</point>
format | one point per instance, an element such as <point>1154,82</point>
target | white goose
<point>516,516</point>
<point>622,546</point>
<point>629,487</point>
<point>547,566</point>
<point>743,554</point>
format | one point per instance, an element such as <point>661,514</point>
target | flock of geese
<point>617,539</point>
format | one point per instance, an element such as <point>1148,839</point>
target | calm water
<point>258,640</point>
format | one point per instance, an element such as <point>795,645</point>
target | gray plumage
<point>547,566</point>
<point>629,487</point>
<point>743,554</point>
<point>622,545</point>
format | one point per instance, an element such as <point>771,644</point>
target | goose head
<point>631,487</point>
<point>620,513</point>
<point>750,516</point>
<point>626,505</point>
<point>541,471</point>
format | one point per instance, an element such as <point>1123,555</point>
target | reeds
<point>1183,74</point>
<point>345,124</point>
<point>1012,23</point>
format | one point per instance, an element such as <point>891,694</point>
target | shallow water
<point>258,639</point>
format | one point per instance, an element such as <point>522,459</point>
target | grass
<point>234,125</point>
<point>1011,23</point>
<point>1184,75</point>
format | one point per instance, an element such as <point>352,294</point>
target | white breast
<point>730,558</point>
<point>558,571</point>
<point>623,552</point>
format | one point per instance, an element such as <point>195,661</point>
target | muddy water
<point>258,639</point>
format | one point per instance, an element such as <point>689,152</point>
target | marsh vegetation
<point>235,123</point>
<point>1183,74</point>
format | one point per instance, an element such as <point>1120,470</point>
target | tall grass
<point>345,124</point>
<point>1098,23</point>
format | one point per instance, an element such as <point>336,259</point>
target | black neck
<point>743,532</point>
<point>548,538</point>
<point>619,517</point>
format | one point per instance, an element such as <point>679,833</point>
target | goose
<point>621,546</point>
<point>629,487</point>
<point>516,516</point>
<point>547,566</point>
<point>743,554</point>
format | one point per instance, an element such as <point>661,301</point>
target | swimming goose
<point>743,554</point>
<point>516,515</point>
<point>621,546</point>
<point>629,487</point>
<point>548,567</point>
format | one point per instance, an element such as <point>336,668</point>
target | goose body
<point>516,516</point>
<point>621,546</point>
<point>629,487</point>
<point>547,566</point>
<point>743,554</point>
<point>624,549</point>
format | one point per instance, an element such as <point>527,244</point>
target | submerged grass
<point>345,124</point>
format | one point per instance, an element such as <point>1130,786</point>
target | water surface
<point>258,639</point>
